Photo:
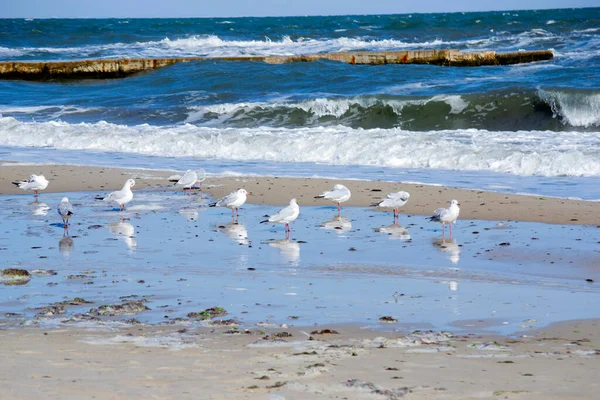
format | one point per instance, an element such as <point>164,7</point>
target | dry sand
<point>559,362</point>
<point>424,199</point>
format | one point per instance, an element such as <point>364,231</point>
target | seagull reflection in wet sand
<point>289,250</point>
<point>235,231</point>
<point>338,223</point>
<point>66,243</point>
<point>125,230</point>
<point>39,208</point>
<point>448,245</point>
<point>394,231</point>
<point>191,214</point>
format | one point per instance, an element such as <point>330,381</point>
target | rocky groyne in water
<point>120,68</point>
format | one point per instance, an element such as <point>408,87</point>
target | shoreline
<point>475,204</point>
<point>351,362</point>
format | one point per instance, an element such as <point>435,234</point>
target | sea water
<point>529,128</point>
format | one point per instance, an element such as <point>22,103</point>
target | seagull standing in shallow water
<point>338,194</point>
<point>447,215</point>
<point>395,201</point>
<point>285,216</point>
<point>189,179</point>
<point>233,200</point>
<point>65,210</point>
<point>121,197</point>
<point>35,183</point>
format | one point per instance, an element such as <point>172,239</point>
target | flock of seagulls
<point>234,200</point>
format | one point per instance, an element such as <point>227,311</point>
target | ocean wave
<point>542,153</point>
<point>215,46</point>
<point>555,109</point>
<point>511,109</point>
<point>574,108</point>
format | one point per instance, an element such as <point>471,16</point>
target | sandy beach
<point>559,362</point>
<point>113,306</point>
<point>277,191</point>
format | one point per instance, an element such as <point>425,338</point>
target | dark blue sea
<point>530,128</point>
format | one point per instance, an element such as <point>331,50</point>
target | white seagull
<point>285,215</point>
<point>338,194</point>
<point>447,215</point>
<point>65,210</point>
<point>121,197</point>
<point>233,200</point>
<point>189,179</point>
<point>35,183</point>
<point>395,201</point>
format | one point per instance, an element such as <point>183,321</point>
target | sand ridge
<point>475,204</point>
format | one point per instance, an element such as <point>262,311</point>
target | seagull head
<point>130,183</point>
<point>293,202</point>
<point>339,187</point>
<point>454,203</point>
<point>64,200</point>
<point>243,191</point>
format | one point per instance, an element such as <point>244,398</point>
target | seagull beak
<point>248,193</point>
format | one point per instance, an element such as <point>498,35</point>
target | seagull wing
<point>438,214</point>
<point>399,196</point>
<point>188,179</point>
<point>284,214</point>
<point>227,200</point>
<point>201,174</point>
<point>65,208</point>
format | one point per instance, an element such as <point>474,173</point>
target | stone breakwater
<point>120,68</point>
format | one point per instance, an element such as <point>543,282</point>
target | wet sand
<point>424,199</point>
<point>559,362</point>
<point>493,276</point>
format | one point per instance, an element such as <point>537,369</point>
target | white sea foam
<point>575,108</point>
<point>456,103</point>
<point>53,112</point>
<point>214,46</point>
<point>542,153</point>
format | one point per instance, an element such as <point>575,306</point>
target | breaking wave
<point>513,109</point>
<point>542,153</point>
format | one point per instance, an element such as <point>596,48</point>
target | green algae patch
<point>14,276</point>
<point>209,313</point>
